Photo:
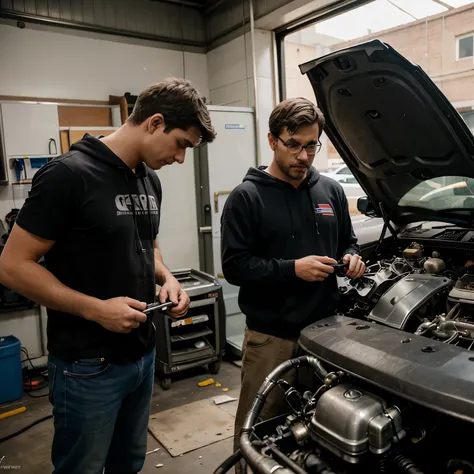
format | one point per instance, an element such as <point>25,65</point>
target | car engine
<point>395,376</point>
<point>424,294</point>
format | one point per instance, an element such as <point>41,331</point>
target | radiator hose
<point>259,463</point>
<point>397,462</point>
<point>405,465</point>
<point>229,463</point>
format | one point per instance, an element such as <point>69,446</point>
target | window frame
<point>458,38</point>
<point>312,18</point>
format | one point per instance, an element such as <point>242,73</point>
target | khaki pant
<point>261,354</point>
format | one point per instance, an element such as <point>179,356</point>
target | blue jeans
<point>101,413</point>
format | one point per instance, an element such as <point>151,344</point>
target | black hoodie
<point>104,219</point>
<point>266,225</point>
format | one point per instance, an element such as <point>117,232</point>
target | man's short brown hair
<point>294,113</point>
<point>181,105</point>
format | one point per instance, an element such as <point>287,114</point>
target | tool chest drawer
<point>198,339</point>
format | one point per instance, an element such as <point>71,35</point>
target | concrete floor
<point>29,453</point>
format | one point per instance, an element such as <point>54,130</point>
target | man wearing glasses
<point>283,228</point>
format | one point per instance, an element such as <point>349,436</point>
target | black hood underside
<point>432,374</point>
<point>393,127</point>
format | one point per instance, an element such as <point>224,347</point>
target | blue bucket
<point>11,374</point>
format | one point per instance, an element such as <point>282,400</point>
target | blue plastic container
<point>11,375</point>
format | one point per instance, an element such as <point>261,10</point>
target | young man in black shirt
<point>282,229</point>
<point>94,213</point>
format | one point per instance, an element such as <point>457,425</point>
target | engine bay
<point>393,387</point>
<point>395,371</point>
<point>421,288</point>
<point>387,402</point>
<point>348,425</point>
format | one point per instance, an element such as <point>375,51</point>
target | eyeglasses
<point>296,148</point>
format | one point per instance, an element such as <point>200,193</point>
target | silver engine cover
<point>349,422</point>
<point>406,296</point>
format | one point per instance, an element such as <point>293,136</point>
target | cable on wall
<point>245,52</point>
<point>255,83</point>
<point>182,40</point>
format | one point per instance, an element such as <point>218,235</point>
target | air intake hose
<point>258,462</point>
<point>397,462</point>
<point>405,465</point>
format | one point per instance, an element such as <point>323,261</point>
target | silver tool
<point>157,307</point>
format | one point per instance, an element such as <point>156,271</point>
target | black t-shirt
<point>104,219</point>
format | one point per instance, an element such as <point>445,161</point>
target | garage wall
<point>224,19</point>
<point>56,64</point>
<point>175,23</point>
<point>231,79</point>
<point>51,64</point>
<point>62,64</point>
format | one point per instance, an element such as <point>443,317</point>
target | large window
<point>437,35</point>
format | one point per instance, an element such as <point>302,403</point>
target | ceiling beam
<point>184,3</point>
<point>443,4</point>
<point>402,10</point>
<point>76,25</point>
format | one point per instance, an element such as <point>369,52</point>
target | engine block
<point>349,422</point>
<point>406,296</point>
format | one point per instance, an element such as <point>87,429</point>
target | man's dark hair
<point>294,113</point>
<point>181,105</point>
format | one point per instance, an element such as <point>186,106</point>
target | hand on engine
<point>356,265</point>
<point>314,268</point>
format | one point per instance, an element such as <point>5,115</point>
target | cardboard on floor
<point>30,452</point>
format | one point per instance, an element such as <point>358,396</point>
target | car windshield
<point>441,194</point>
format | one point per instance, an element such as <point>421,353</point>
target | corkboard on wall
<point>64,137</point>
<point>81,116</point>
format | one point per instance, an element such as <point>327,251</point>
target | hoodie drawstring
<point>139,244</point>
<point>150,225</point>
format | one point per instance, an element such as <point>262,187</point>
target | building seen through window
<point>438,36</point>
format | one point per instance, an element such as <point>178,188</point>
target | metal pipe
<point>456,325</point>
<point>257,461</point>
<point>275,70</point>
<point>184,3</point>
<point>213,7</point>
<point>255,82</point>
<point>450,315</point>
<point>75,25</point>
<point>320,14</point>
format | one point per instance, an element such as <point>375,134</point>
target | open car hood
<point>400,136</point>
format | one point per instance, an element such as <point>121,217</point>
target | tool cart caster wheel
<point>165,382</point>
<point>215,367</point>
